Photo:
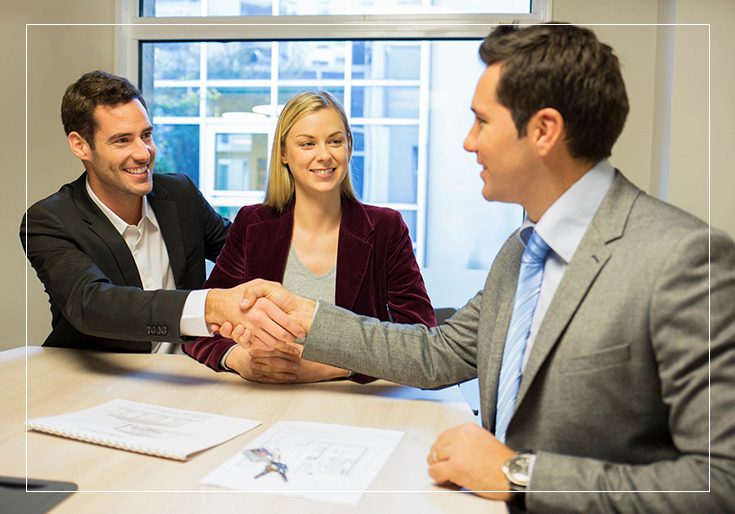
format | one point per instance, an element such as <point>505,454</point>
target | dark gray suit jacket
<point>94,287</point>
<point>617,390</point>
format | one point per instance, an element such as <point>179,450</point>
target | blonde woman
<point>313,235</point>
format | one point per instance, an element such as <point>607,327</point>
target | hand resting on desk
<point>280,365</point>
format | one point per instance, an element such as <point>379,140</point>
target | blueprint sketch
<point>334,463</point>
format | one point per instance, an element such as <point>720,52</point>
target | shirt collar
<point>147,214</point>
<point>563,225</point>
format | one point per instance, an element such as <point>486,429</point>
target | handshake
<point>265,319</point>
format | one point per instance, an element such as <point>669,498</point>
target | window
<point>216,72</point>
<point>194,8</point>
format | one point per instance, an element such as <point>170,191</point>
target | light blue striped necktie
<point>527,293</point>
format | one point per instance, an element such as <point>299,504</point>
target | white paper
<point>145,428</point>
<point>331,463</point>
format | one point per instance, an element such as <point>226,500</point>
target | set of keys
<point>272,462</point>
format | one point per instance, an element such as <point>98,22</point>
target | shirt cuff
<point>531,465</point>
<point>193,322</point>
<point>316,309</point>
<point>302,340</point>
<point>222,364</point>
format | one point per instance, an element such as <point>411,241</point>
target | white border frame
<point>119,31</point>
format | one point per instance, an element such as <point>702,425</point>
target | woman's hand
<point>279,367</point>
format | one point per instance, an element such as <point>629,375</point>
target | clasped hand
<point>268,320</point>
<point>258,312</point>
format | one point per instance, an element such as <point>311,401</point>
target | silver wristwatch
<point>518,470</point>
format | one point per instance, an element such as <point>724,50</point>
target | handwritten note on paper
<point>334,463</point>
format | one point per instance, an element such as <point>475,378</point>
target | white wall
<point>58,55</point>
<point>691,138</point>
<point>687,186</point>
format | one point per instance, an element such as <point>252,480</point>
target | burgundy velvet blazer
<point>377,273</point>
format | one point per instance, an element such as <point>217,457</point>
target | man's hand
<point>298,309</point>
<point>471,457</point>
<point>265,321</point>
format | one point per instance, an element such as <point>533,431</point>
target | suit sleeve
<point>87,297</point>
<point>692,333</point>
<point>408,300</point>
<point>414,355</point>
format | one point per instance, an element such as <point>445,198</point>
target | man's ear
<point>79,146</point>
<point>546,128</point>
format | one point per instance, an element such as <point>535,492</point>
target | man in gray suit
<point>622,392</point>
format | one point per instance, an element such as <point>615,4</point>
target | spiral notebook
<point>145,428</point>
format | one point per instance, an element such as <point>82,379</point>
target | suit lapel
<point>266,246</point>
<point>354,252</point>
<point>590,258</point>
<point>171,230</point>
<point>101,226</point>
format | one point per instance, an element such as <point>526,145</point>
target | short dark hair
<point>93,89</point>
<point>564,67</point>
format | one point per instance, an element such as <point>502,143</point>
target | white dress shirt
<point>148,248</point>
<point>562,227</point>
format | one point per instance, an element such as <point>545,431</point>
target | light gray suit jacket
<point>617,390</point>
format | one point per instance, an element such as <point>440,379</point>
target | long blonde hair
<point>280,191</point>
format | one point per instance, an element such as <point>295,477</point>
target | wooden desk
<point>116,481</point>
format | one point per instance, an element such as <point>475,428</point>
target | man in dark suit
<point>604,338</point>
<point>120,250</point>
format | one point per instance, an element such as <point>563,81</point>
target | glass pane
<point>386,60</point>
<point>286,93</point>
<point>240,162</point>
<point>238,60</point>
<point>239,7</point>
<point>174,101</point>
<point>221,100</point>
<point>175,61</point>
<point>385,102</point>
<point>227,211</point>
<point>357,170</point>
<point>178,149</point>
<point>313,60</point>
<point>327,7</point>
<point>390,162</point>
<point>410,218</point>
<point>164,8</point>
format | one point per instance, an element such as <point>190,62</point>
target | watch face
<point>516,469</point>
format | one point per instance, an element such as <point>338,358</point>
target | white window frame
<point>131,30</point>
<point>206,184</point>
